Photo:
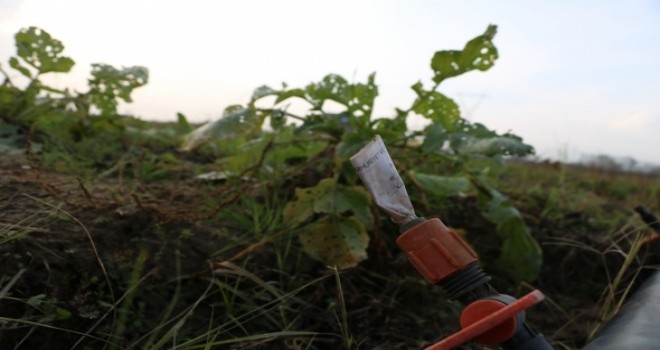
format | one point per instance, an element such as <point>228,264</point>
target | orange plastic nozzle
<point>435,251</point>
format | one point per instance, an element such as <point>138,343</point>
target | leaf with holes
<point>362,98</point>
<point>358,98</point>
<point>41,51</point>
<point>336,241</point>
<point>436,106</point>
<point>479,53</point>
<point>14,63</point>
<point>108,84</point>
<point>332,87</point>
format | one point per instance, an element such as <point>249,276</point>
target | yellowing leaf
<point>336,241</point>
<point>330,198</point>
<point>339,236</point>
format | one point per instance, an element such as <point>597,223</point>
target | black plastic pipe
<point>637,326</point>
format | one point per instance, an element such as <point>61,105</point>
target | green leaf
<point>62,314</point>
<point>391,130</point>
<point>14,63</point>
<point>435,137</point>
<point>262,91</point>
<point>291,150</point>
<point>336,241</point>
<point>331,124</point>
<point>476,139</point>
<point>442,187</point>
<point>328,197</point>
<point>499,145</point>
<point>242,154</point>
<point>339,237</point>
<point>277,119</point>
<point>521,256</point>
<point>12,141</point>
<point>436,106</point>
<point>362,97</point>
<point>333,87</point>
<point>286,94</point>
<point>35,300</point>
<point>479,53</point>
<point>108,84</point>
<point>236,121</point>
<point>8,96</point>
<point>38,49</point>
<point>182,122</point>
<point>357,98</point>
<point>352,142</point>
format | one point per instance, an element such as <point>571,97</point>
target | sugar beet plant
<point>332,213</point>
<point>329,210</point>
<point>38,105</point>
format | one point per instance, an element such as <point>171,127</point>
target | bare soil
<point>71,245</point>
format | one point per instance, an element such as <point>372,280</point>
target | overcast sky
<point>572,78</point>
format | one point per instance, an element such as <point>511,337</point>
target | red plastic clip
<point>488,320</point>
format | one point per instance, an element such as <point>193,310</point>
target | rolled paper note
<point>379,175</point>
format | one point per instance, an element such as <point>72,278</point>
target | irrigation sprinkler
<point>444,258</point>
